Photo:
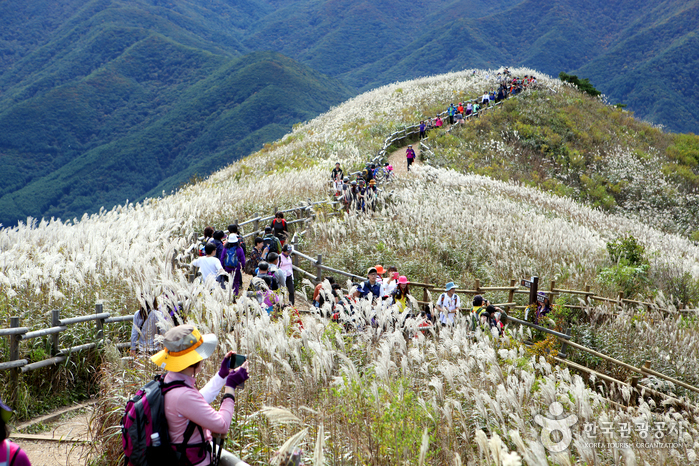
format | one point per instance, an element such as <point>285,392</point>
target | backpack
<point>145,415</point>
<point>230,258</point>
<point>271,243</point>
<point>241,243</point>
<point>278,227</point>
<point>273,282</point>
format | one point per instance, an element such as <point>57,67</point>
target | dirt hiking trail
<point>399,162</point>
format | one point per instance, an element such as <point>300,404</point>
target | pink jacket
<point>189,404</point>
<point>10,447</point>
<point>286,265</point>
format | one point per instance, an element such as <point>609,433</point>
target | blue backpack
<point>230,259</point>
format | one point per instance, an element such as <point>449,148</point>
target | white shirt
<point>390,288</point>
<point>450,304</point>
<point>208,265</point>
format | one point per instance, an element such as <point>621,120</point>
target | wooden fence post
<point>55,322</point>
<point>256,225</point>
<point>319,270</point>
<point>511,296</point>
<point>478,285</point>
<point>294,257</point>
<point>14,355</point>
<point>534,290</point>
<point>619,299</point>
<point>553,285</point>
<point>99,323</point>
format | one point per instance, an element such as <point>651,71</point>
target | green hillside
<point>111,137</point>
<point>122,103</point>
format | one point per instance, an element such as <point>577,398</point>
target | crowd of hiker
<point>182,418</point>
<point>360,194</point>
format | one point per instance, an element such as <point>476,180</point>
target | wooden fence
<point>18,334</point>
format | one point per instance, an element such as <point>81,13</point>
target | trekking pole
<point>216,456</point>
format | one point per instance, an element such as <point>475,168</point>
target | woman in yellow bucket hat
<point>188,410</point>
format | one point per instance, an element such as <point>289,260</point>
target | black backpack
<point>271,243</point>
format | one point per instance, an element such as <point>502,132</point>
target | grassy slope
<point>442,224</point>
<point>576,146</point>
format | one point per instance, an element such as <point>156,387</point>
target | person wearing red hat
<point>10,453</point>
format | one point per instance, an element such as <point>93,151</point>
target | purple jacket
<point>241,259</point>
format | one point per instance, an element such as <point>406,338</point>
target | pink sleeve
<point>21,459</point>
<point>194,407</point>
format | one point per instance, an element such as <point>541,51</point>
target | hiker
<point>485,99</point>
<point>353,195</point>
<point>263,272</point>
<point>372,288</point>
<point>233,230</point>
<point>337,173</point>
<point>400,295</point>
<point>266,298</point>
<point>145,328</point>
<point>209,265</point>
<point>368,173</point>
<point>501,95</point>
<point>438,122</point>
<point>279,228</point>
<point>451,111</point>
<point>318,298</point>
<point>372,193</point>
<point>218,237</point>
<point>287,267</point>
<point>391,283</point>
<point>448,304</point>
<point>346,193</point>
<point>190,417</point>
<point>480,306</point>
<point>422,129</point>
<point>360,195</point>
<point>460,108</point>
<point>542,308</point>
<point>271,241</point>
<point>258,253</point>
<point>233,261</point>
<point>469,108</point>
<point>410,155</point>
<point>459,118</point>
<point>274,269</point>
<point>208,237</point>
<point>10,452</point>
<point>208,234</point>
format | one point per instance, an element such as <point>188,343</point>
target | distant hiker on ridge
<point>410,155</point>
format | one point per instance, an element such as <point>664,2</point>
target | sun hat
<point>403,280</point>
<point>449,286</point>
<point>5,412</point>
<point>380,270</point>
<point>371,270</point>
<point>372,181</point>
<point>184,346</point>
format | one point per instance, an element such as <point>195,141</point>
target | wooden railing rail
<point>19,334</point>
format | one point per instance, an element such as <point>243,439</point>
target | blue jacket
<point>367,288</point>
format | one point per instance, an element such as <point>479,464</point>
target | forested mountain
<point>104,100</point>
<point>121,102</point>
